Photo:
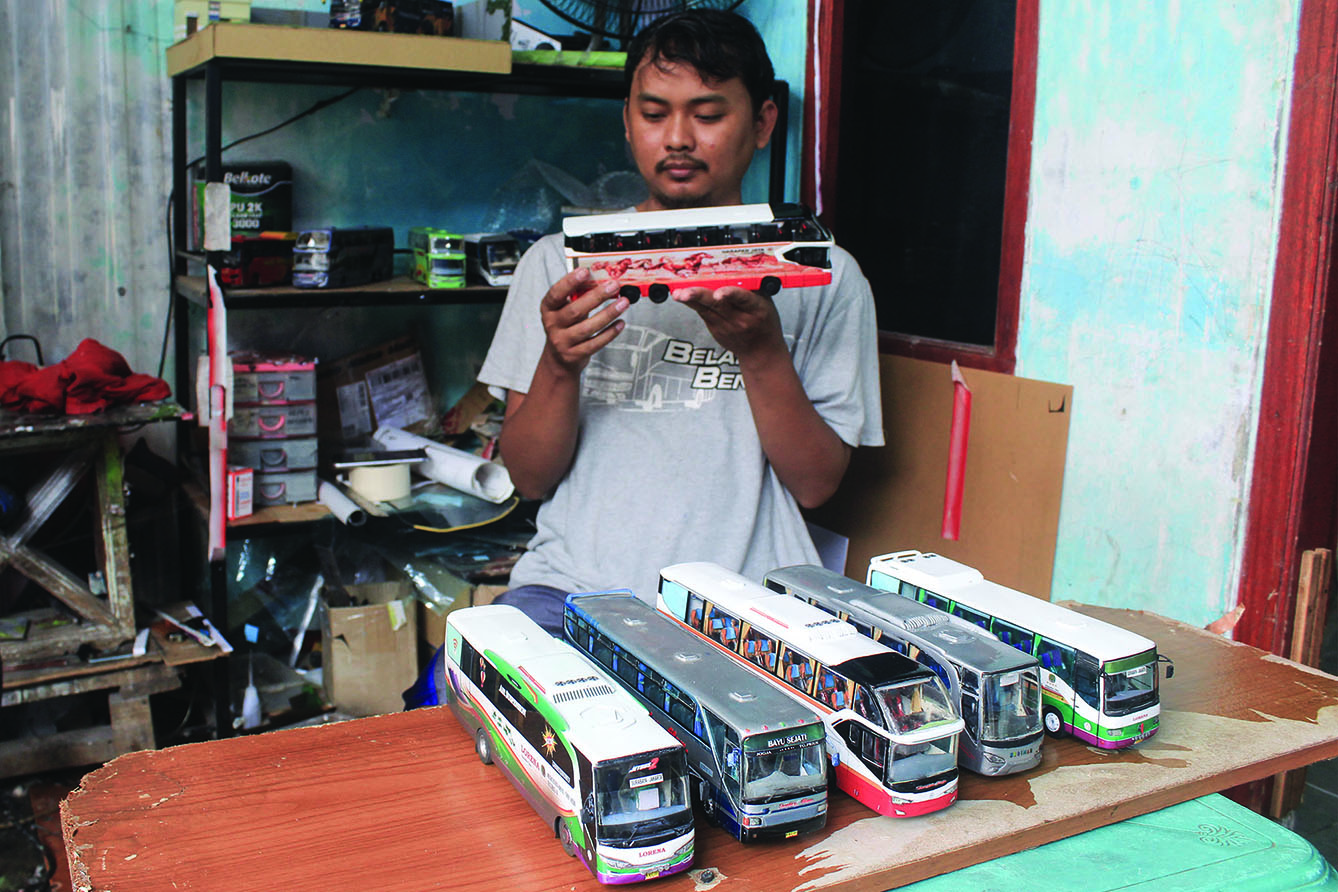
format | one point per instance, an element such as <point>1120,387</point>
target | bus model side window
<point>797,670</point>
<point>831,689</point>
<point>696,611</point>
<point>1055,657</point>
<point>865,706</point>
<point>971,616</point>
<point>653,689</point>
<point>938,602</point>
<point>909,591</point>
<point>1013,636</point>
<point>722,627</point>
<point>759,648</point>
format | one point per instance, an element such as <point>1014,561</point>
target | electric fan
<point>623,18</point>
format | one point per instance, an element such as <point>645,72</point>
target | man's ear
<point>764,123</point>
<point>627,130</point>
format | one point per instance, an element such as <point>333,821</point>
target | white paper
<point>340,505</point>
<point>453,467</point>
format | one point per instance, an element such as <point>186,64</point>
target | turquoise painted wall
<point>1156,176</point>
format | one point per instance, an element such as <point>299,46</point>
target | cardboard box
<point>432,624</point>
<point>892,498</point>
<point>371,651</point>
<point>384,385</point>
<point>261,200</point>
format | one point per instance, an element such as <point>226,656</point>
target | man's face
<point>692,141</point>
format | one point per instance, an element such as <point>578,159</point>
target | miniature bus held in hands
<point>608,781</point>
<point>891,730</point>
<point>758,247</point>
<point>758,754</point>
<point>996,688</point>
<point>1099,682</point>
<point>438,257</point>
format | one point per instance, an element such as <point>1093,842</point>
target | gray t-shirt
<point>668,465</point>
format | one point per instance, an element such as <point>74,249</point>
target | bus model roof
<point>820,635</point>
<point>603,720</point>
<point>718,682</point>
<point>966,643</point>
<point>686,218</point>
<point>958,582</point>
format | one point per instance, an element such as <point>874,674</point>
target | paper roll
<point>453,467</point>
<point>380,483</point>
<point>340,505</point>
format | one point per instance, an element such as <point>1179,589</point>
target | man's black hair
<point>720,45</point>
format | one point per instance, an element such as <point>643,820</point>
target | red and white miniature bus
<point>758,247</point>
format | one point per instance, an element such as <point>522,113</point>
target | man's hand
<point>744,322</point>
<point>573,333</point>
<point>538,437</point>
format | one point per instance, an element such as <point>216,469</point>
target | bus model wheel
<point>564,834</point>
<point>770,286</point>
<point>659,292</point>
<point>632,293</point>
<point>708,802</point>
<point>1054,724</point>
<point>483,746</point>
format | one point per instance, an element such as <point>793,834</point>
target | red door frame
<point>1292,493</point>
<point>821,129</point>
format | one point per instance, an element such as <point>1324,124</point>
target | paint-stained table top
<point>400,802</point>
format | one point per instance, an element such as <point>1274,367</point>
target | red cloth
<point>92,378</point>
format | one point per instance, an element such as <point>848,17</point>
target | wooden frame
<point>1292,492</point>
<point>818,176</point>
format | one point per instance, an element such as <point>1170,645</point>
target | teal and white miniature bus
<point>758,754</point>
<point>608,781</point>
<point>996,688</point>
<point>1099,682</point>
<point>438,257</point>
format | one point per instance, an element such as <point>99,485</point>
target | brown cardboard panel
<point>336,46</point>
<point>892,497</point>
<point>371,651</point>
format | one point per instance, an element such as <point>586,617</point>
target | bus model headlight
<point>822,808</point>
<point>615,863</point>
<point>684,849</point>
<point>993,759</point>
<point>752,820</point>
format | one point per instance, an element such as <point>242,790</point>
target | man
<point>714,474</point>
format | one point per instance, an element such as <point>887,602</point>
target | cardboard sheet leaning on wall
<point>892,497</point>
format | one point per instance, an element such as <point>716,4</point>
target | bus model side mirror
<point>1170,666</point>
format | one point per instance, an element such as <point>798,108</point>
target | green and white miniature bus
<point>1098,681</point>
<point>438,257</point>
<point>608,781</point>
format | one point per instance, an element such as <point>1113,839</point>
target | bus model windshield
<point>1129,685</point>
<point>641,802</point>
<point>783,772</point>
<point>911,706</point>
<point>1010,705</point>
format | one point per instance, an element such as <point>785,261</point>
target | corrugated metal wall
<point>84,175</point>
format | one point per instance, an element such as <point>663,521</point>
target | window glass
<point>759,648</point>
<point>832,689</point>
<point>722,627</point>
<point>1012,635</point>
<point>974,617</point>
<point>796,670</point>
<point>1055,657</point>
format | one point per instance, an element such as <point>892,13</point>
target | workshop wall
<point>1156,175</point>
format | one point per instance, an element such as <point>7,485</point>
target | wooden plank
<point>406,805</point>
<point>66,749</point>
<point>113,543</point>
<point>334,46</point>
<point>151,678</point>
<point>1312,602</point>
<point>50,645</point>
<point>60,583</point>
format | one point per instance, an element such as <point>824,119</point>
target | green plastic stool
<point>1204,844</point>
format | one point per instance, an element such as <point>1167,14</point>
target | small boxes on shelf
<point>273,425</point>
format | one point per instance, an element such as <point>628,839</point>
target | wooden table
<point>400,802</point>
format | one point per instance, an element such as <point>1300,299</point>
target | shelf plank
<point>398,291</point>
<point>335,46</point>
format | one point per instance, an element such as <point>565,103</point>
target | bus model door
<point>1087,693</point>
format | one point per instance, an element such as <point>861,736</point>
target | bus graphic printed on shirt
<point>608,781</point>
<point>1099,682</point>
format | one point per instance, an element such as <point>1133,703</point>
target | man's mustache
<point>679,161</point>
